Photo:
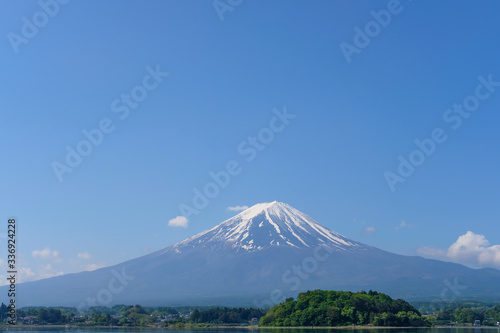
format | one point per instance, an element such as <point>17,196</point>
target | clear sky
<point>316,104</point>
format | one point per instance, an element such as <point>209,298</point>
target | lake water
<point>252,330</point>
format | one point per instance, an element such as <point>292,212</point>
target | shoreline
<point>250,327</point>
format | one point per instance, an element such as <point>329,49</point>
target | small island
<point>342,308</point>
<point>317,308</point>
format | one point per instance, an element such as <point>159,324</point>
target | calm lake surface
<point>254,330</point>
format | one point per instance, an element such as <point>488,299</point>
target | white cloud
<point>47,267</point>
<point>432,252</point>
<point>473,248</point>
<point>403,224</point>
<point>470,249</point>
<point>93,267</point>
<point>237,208</point>
<point>47,254</point>
<point>25,274</point>
<point>79,266</point>
<point>369,230</point>
<point>46,271</point>
<point>179,221</point>
<point>84,255</point>
<point>145,249</point>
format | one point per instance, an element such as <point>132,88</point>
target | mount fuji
<point>266,225</point>
<point>257,258</point>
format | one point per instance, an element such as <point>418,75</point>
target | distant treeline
<point>128,315</point>
<point>118,315</point>
<point>340,308</point>
<point>313,308</point>
<point>226,315</point>
<point>488,316</point>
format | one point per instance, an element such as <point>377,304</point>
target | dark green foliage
<point>226,315</point>
<point>488,316</point>
<point>339,308</point>
<point>135,316</point>
<point>4,310</point>
<point>314,308</point>
<point>51,316</point>
<point>493,313</point>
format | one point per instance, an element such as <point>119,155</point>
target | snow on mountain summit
<point>266,225</point>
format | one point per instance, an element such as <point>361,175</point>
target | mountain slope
<point>264,225</point>
<point>261,255</point>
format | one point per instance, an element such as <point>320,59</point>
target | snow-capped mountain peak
<point>268,225</point>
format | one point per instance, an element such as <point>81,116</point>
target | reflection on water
<point>254,330</point>
<point>389,330</point>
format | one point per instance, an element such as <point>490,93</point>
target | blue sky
<point>232,67</point>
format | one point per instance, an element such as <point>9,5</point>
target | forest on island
<point>312,308</point>
<point>340,308</point>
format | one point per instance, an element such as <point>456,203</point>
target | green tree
<point>336,308</point>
